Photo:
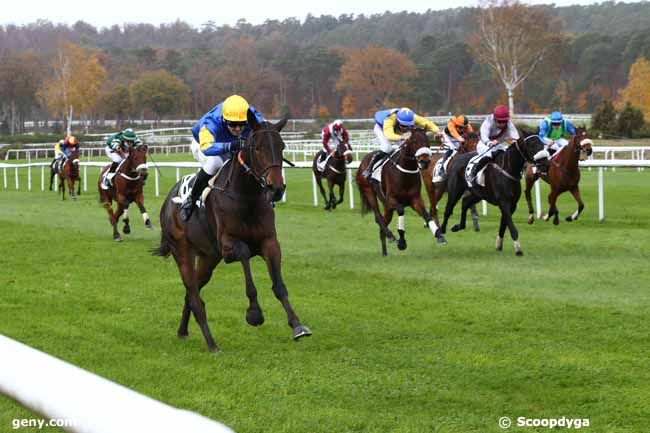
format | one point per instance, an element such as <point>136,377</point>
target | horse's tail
<point>365,204</point>
<point>164,250</point>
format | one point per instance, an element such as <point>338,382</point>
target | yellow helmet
<point>234,109</point>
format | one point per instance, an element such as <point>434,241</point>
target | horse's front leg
<point>341,192</point>
<point>468,202</point>
<point>530,181</point>
<point>78,186</point>
<point>575,192</point>
<point>506,214</point>
<point>332,197</point>
<point>319,182</point>
<point>122,204</point>
<point>70,182</point>
<point>272,255</point>
<point>388,217</point>
<point>139,200</point>
<point>475,224</point>
<point>418,206</point>
<point>241,252</point>
<point>552,207</point>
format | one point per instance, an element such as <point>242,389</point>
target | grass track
<point>448,338</point>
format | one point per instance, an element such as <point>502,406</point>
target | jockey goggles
<point>234,124</point>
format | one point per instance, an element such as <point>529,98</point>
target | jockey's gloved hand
<point>406,135</point>
<point>236,145</point>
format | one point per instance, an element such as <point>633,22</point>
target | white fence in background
<point>592,163</point>
<point>60,391</point>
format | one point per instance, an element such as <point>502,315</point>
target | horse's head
<point>138,157</point>
<point>471,140</point>
<point>343,152</point>
<point>583,144</point>
<point>533,149</point>
<point>73,155</point>
<point>262,153</point>
<point>417,147</point>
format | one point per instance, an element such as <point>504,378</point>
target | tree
<point>160,92</point>
<point>604,119</point>
<point>376,76</point>
<point>637,91</point>
<point>512,39</point>
<point>116,102</point>
<point>76,84</point>
<point>20,78</point>
<point>630,121</point>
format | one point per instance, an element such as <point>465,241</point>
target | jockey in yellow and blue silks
<point>553,129</point>
<point>393,126</point>
<point>220,131</point>
<point>62,149</point>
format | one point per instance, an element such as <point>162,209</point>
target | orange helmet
<point>72,140</point>
<point>461,121</point>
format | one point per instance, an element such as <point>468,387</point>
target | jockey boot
<point>108,178</point>
<point>445,157</point>
<point>323,155</point>
<point>477,167</point>
<point>375,159</point>
<point>187,208</point>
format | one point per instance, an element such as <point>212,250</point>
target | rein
<point>276,160</point>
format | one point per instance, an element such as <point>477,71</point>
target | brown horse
<point>435,190</point>
<point>68,173</point>
<point>127,188</point>
<point>400,187</point>
<point>563,175</point>
<point>335,173</point>
<point>236,223</point>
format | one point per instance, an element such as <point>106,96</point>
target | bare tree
<point>512,39</point>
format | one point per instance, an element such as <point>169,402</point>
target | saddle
<point>187,183</point>
<point>320,165</point>
<point>378,167</point>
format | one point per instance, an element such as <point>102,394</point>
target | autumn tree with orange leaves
<point>637,91</point>
<point>376,77</point>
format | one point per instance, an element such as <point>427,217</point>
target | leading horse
<point>236,223</point>
<point>127,188</point>
<point>334,172</point>
<point>400,187</point>
<point>563,175</point>
<point>502,185</point>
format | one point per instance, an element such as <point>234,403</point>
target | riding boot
<point>108,179</point>
<point>375,159</point>
<point>187,208</point>
<point>477,167</point>
<point>445,157</point>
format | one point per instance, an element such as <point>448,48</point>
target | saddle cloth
<point>437,169</point>
<point>480,176</point>
<point>320,166</point>
<point>377,168</point>
<point>187,183</point>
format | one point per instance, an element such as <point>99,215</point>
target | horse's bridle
<point>249,149</point>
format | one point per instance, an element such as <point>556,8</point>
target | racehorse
<point>236,223</point>
<point>435,190</point>
<point>563,175</point>
<point>127,188</point>
<point>68,173</point>
<point>334,172</point>
<point>400,187</point>
<point>502,184</point>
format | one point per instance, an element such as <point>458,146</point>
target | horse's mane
<point>526,133</point>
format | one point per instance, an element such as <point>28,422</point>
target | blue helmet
<point>556,117</point>
<point>405,117</point>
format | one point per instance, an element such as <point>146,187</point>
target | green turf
<point>434,338</point>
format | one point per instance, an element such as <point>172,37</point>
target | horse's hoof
<point>568,219</point>
<point>74,198</point>
<point>148,225</point>
<point>182,336</point>
<point>117,238</point>
<point>401,244</point>
<point>477,228</point>
<point>441,240</point>
<point>126,230</point>
<point>301,331</point>
<point>556,221</point>
<point>531,219</point>
<point>519,253</point>
<point>213,349</point>
<point>254,318</point>
<point>457,228</point>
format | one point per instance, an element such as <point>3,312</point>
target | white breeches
<point>58,155</point>
<point>209,164</point>
<point>484,150</point>
<point>559,143</point>
<point>450,142</point>
<point>385,145</point>
<point>114,156</point>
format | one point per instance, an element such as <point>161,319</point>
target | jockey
<point>220,131</point>
<point>393,126</point>
<point>496,132</point>
<point>552,131</point>
<point>62,149</point>
<point>117,149</point>
<point>332,134</point>
<point>452,137</point>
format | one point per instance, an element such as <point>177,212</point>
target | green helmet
<point>129,134</point>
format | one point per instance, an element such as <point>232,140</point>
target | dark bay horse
<point>435,190</point>
<point>127,188</point>
<point>236,223</point>
<point>400,187</point>
<point>68,174</point>
<point>502,184</point>
<point>563,175</point>
<point>335,173</point>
